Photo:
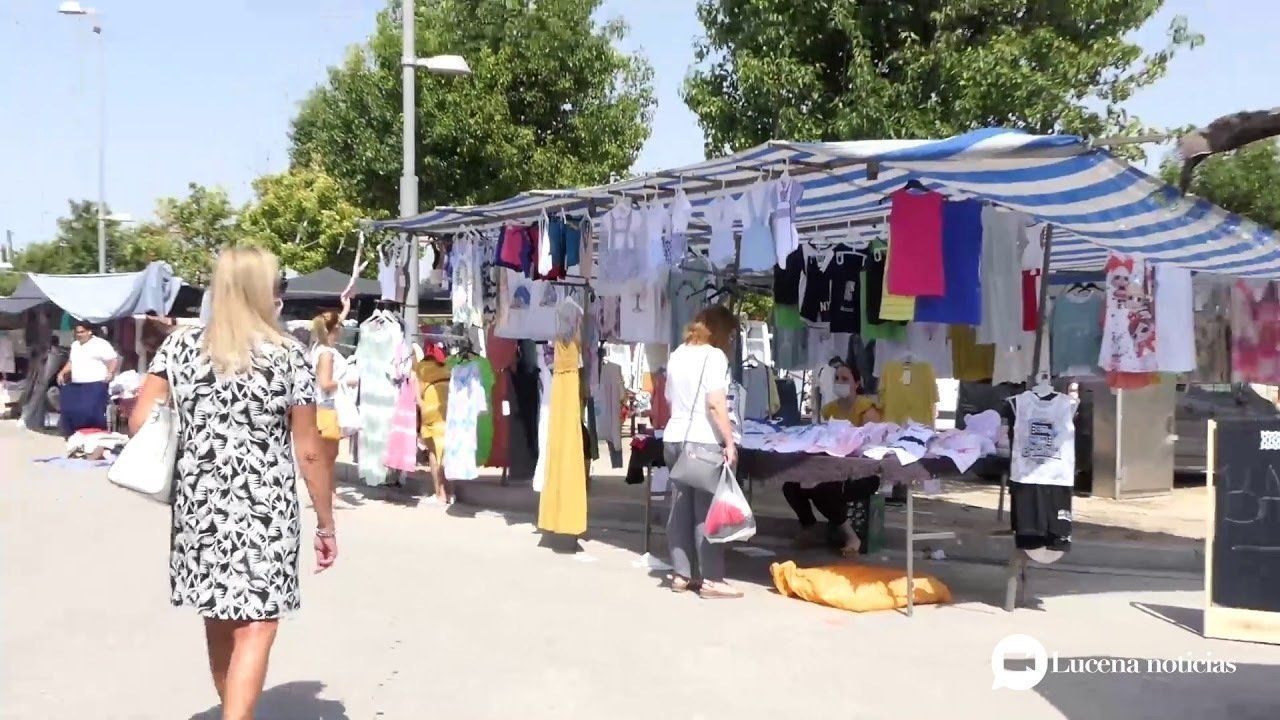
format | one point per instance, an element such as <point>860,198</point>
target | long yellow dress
<point>563,506</point>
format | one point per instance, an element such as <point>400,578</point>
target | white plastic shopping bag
<point>729,519</point>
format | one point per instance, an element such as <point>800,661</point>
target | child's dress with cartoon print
<point>1128,352</point>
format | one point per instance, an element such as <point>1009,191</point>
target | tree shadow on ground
<point>291,701</point>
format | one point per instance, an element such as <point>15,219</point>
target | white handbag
<point>146,464</point>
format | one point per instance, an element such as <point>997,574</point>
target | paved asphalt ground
<point>434,615</point>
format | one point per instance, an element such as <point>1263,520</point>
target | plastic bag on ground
<point>729,519</point>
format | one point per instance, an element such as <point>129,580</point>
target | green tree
<point>74,250</point>
<point>552,102</point>
<point>9,282</point>
<point>856,69</point>
<point>1246,181</point>
<point>186,233</point>
<point>305,218</point>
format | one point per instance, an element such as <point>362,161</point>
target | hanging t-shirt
<point>526,308</point>
<point>1003,241</point>
<point>874,329</point>
<point>1213,329</point>
<point>786,198</point>
<point>908,391</point>
<point>1129,331</point>
<point>1075,328</point>
<point>786,279</point>
<point>1255,332</point>
<point>688,292</point>
<point>678,231</point>
<point>720,214</point>
<point>925,342</point>
<point>962,256</point>
<point>1175,320</point>
<point>971,361</point>
<point>845,272</point>
<point>756,251</point>
<point>915,236</point>
<point>620,255</point>
<point>790,338</point>
<point>893,306</point>
<point>645,311</point>
<point>467,402</point>
<point>815,306</point>
<point>761,392</point>
<point>1044,446</point>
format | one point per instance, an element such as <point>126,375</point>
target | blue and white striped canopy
<point>1094,200</point>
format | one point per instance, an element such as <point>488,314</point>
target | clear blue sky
<point>203,91</point>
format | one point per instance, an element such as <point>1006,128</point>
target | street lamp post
<point>409,64</point>
<point>74,8</point>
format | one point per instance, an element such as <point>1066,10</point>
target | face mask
<point>842,391</point>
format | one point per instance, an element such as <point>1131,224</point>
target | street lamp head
<point>453,65</point>
<point>72,7</point>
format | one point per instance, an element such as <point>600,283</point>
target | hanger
<point>912,184</point>
<point>1042,388</point>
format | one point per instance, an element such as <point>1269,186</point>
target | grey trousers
<point>686,530</point>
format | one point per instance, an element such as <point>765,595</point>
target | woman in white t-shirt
<point>331,373</point>
<point>85,381</point>
<point>697,380</point>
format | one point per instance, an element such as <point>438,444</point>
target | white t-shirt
<point>339,370</point>
<point>1175,320</point>
<point>89,360</point>
<point>1044,449</point>
<point>693,371</point>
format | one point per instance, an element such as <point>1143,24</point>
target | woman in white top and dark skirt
<point>697,382</point>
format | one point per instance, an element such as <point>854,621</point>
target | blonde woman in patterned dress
<point>246,400</point>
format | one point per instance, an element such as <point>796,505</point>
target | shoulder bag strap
<point>701,374</point>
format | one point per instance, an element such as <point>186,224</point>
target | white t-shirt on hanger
<point>1175,320</point>
<point>1044,446</point>
<point>721,215</point>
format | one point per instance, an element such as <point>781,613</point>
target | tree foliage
<point>74,250</point>
<point>1246,181</point>
<point>186,233</point>
<point>856,69</point>
<point>305,218</point>
<point>551,103</point>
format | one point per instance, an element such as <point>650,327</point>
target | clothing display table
<point>811,469</point>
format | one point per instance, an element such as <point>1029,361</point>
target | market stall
<point>979,227</point>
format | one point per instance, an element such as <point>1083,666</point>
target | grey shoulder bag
<point>699,464</point>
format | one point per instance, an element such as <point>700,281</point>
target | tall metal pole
<point>409,178</point>
<point>1042,313</point>
<point>102,145</point>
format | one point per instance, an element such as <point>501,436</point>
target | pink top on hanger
<point>915,241</point>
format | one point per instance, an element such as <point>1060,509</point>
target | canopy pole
<point>1046,241</point>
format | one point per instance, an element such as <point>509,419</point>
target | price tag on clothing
<point>906,376</point>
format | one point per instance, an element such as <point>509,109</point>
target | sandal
<point>719,591</point>
<point>679,584</point>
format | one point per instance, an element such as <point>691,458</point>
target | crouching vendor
<point>84,378</point>
<point>832,499</point>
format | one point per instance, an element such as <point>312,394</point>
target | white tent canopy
<point>1094,200</point>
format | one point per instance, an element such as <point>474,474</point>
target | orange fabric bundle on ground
<point>860,588</point>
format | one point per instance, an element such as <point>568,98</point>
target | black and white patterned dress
<point>235,533</point>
